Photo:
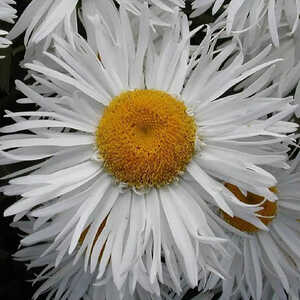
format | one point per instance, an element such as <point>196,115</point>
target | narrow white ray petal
<point>181,238</point>
<point>206,182</point>
<point>89,208</point>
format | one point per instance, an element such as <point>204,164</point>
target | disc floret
<point>146,138</point>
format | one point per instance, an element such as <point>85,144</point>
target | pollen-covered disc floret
<point>146,138</point>
<point>266,214</point>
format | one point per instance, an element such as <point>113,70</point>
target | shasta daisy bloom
<point>135,141</point>
<point>242,15</point>
<point>7,14</point>
<point>268,262</point>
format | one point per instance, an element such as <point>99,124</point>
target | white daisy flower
<point>241,15</point>
<point>135,141</point>
<point>268,262</point>
<point>7,14</point>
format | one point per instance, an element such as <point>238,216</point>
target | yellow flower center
<point>267,213</point>
<point>146,138</point>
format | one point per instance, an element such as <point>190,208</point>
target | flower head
<point>100,186</point>
<point>269,260</point>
